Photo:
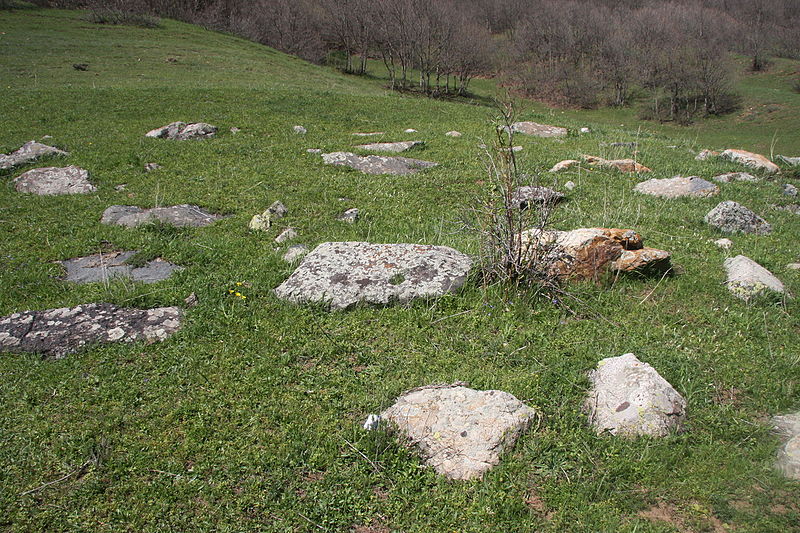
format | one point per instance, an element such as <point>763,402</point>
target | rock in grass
<point>749,159</point>
<point>183,215</point>
<point>58,332</point>
<point>103,267</point>
<point>369,134</point>
<point>789,189</point>
<point>299,130</point>
<point>623,165</point>
<point>734,176</point>
<point>460,432</point>
<point>563,165</point>
<point>150,167</point>
<point>793,266</point>
<point>794,161</point>
<point>788,460</point>
<point>527,196</point>
<point>747,279</point>
<point>350,216</point>
<point>182,131</point>
<point>677,187</point>
<point>628,398</point>
<point>376,164</point>
<point>277,209</point>
<point>260,222</point>
<point>30,151</point>
<point>51,181</point>
<point>293,253</point>
<point>286,235</point>
<point>704,155</point>
<point>570,185</point>
<point>725,244</point>
<point>538,130</point>
<point>453,133</point>
<point>343,274</point>
<point>731,217</point>
<point>792,208</point>
<point>390,147</point>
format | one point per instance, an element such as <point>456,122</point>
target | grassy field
<point>249,418</point>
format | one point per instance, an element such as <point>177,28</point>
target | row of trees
<point>673,54</point>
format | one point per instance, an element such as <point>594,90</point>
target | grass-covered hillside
<point>249,418</point>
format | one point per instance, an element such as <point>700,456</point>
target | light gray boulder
<point>732,217</point>
<point>391,147</point>
<point>629,398</point>
<point>460,432</point>
<point>538,130</point>
<point>183,215</point>
<point>58,332</point>
<point>182,131</point>
<point>788,460</point>
<point>30,151</point>
<point>376,164</point>
<point>343,274</point>
<point>734,176</point>
<point>105,266</point>
<point>747,279</point>
<point>51,181</point>
<point>677,187</point>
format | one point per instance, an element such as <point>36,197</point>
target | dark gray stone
<point>58,332</point>
<point>182,131</point>
<point>103,267</point>
<point>30,151</point>
<point>789,189</point>
<point>376,164</point>
<point>526,196</point>
<point>732,217</point>
<point>51,181</point>
<point>183,215</point>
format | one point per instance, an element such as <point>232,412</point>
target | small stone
<point>749,159</point>
<point>747,279</point>
<point>30,151</point>
<point>731,217</point>
<point>50,181</point>
<point>293,253</point>
<point>623,165</point>
<point>788,458</point>
<point>526,196</point>
<point>369,134</point>
<point>453,133</point>
<point>792,208</point>
<point>569,185</point>
<point>725,244</point>
<point>181,131</point>
<point>149,167</point>
<point>563,165</point>
<point>585,130</point>
<point>390,147</point>
<point>277,209</point>
<point>734,176</point>
<point>372,422</point>
<point>789,189</point>
<point>704,155</point>
<point>286,235</point>
<point>350,216</point>
<point>677,187</point>
<point>260,222</point>
<point>299,130</point>
<point>410,130</point>
<point>235,130</point>
<point>314,150</point>
<point>121,187</point>
<point>190,301</point>
<point>794,161</point>
<point>629,398</point>
<point>793,266</point>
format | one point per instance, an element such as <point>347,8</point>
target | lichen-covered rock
<point>623,165</point>
<point>105,266</point>
<point>58,332</point>
<point>261,222</point>
<point>182,131</point>
<point>588,253</point>
<point>460,432</point>
<point>788,459</point>
<point>677,187</point>
<point>526,196</point>
<point>538,130</point>
<point>704,155</point>
<point>725,244</point>
<point>390,147</point>
<point>734,176</point>
<point>183,215</point>
<point>30,151</point>
<point>51,181</point>
<point>749,159</point>
<point>343,274</point>
<point>564,165</point>
<point>376,164</point>
<point>731,217</point>
<point>628,398</point>
<point>747,279</point>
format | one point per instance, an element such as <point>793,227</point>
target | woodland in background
<point>673,56</point>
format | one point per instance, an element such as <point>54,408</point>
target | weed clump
<point>119,16</point>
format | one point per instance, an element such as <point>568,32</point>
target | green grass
<point>246,419</point>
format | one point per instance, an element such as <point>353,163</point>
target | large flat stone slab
<point>390,147</point>
<point>183,215</point>
<point>749,159</point>
<point>460,432</point>
<point>628,398</point>
<point>732,217</point>
<point>28,152</point>
<point>103,267</point>
<point>58,332</point>
<point>181,131</point>
<point>747,279</point>
<point>529,195</point>
<point>377,164</point>
<point>734,176</point>
<point>51,181</point>
<point>677,187</point>
<point>343,274</point>
<point>538,130</point>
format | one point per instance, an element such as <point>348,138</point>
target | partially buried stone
<point>58,332</point>
<point>260,222</point>
<point>788,458</point>
<point>286,235</point>
<point>794,161</point>
<point>734,176</point>
<point>563,165</point>
<point>623,165</point>
<point>460,432</point>
<point>538,130</point>
<point>570,185</point>
<point>628,398</point>
<point>299,130</point>
<point>183,215</point>
<point>706,154</point>
<point>350,216</point>
<point>343,274</point>
<point>747,279</point>
<point>453,133</point>
<point>277,209</point>
<point>293,253</point>
<point>149,167</point>
<point>725,244</point>
<point>26,153</point>
<point>182,131</point>
<point>527,196</point>
<point>51,181</point>
<point>677,187</point>
<point>103,267</point>
<point>376,164</point>
<point>749,159</point>
<point>732,217</point>
<point>789,189</point>
<point>390,147</point>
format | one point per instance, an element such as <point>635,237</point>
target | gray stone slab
<point>183,215</point>
<point>105,266</point>
<point>376,164</point>
<point>52,181</point>
<point>390,147</point>
<point>747,279</point>
<point>677,187</point>
<point>28,152</point>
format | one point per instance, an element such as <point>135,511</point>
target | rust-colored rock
<point>623,165</point>
<point>644,261</point>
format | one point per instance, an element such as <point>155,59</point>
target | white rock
<point>293,253</point>
<point>725,244</point>
<point>569,185</point>
<point>286,235</point>
<point>453,133</point>
<point>585,130</point>
<point>747,279</point>
<point>300,130</point>
<point>410,130</point>
<point>372,423</point>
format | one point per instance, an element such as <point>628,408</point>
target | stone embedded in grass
<point>623,165</point>
<point>410,130</point>
<point>343,274</point>
<point>789,189</point>
<point>182,131</point>
<point>260,222</point>
<point>725,244</point>
<point>453,133</point>
<point>793,266</point>
<point>58,332</point>
<point>391,147</point>
<point>277,209</point>
<point>731,217</point>
<point>792,208</point>
<point>749,159</point>
<point>794,161</point>
<point>747,279</point>
<point>704,155</point>
<point>314,150</point>
<point>788,459</point>
<point>538,130</point>
<point>376,164</point>
<point>369,134</point>
<point>734,176</point>
<point>460,432</point>
<point>299,130</point>
<point>628,398</point>
<point>563,165</point>
<point>183,215</point>
<point>526,196</point>
<point>50,181</point>
<point>631,145</point>
<point>677,187</point>
<point>293,253</point>
<point>570,185</point>
<point>30,151</point>
<point>588,253</point>
<point>105,266</point>
<point>350,216</point>
<point>286,235</point>
<point>150,167</point>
